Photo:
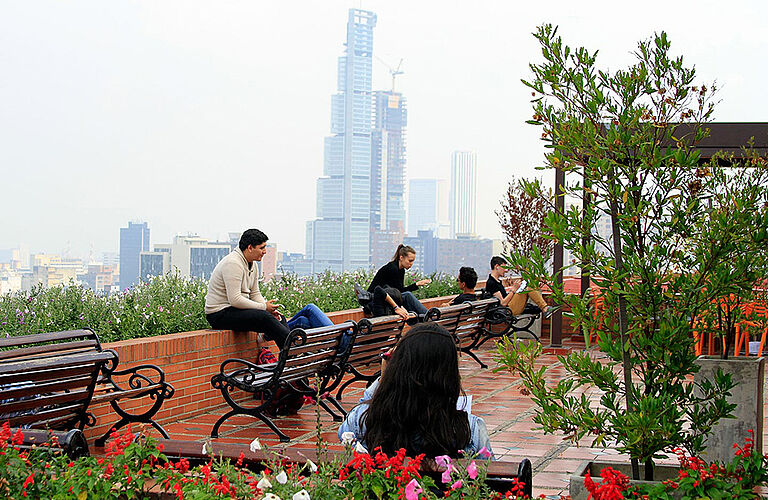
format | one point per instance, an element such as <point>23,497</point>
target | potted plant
<point>627,139</point>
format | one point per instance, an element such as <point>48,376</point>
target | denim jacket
<point>353,424</point>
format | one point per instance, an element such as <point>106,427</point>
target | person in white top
<point>234,302</point>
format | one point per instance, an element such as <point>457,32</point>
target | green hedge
<point>170,304</point>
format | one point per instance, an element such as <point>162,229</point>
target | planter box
<point>748,373</point>
<point>579,492</point>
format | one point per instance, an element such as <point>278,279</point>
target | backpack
<point>364,298</point>
<point>287,400</point>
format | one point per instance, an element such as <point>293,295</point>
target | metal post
<point>556,320</point>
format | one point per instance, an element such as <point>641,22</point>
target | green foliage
<point>683,232</point>
<point>171,304</point>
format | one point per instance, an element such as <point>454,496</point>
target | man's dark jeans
<point>250,320</point>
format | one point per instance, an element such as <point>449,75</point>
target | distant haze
<point>209,117</point>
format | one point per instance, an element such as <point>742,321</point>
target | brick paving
<point>497,397</point>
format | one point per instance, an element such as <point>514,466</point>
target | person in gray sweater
<point>234,302</point>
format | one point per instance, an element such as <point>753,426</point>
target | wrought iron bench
<point>472,323</point>
<point>374,337</point>
<point>314,353</point>
<point>49,380</point>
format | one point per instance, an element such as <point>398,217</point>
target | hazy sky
<point>209,117</point>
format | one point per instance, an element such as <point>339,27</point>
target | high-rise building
<point>134,239</point>
<point>340,237</point>
<point>388,161</point>
<point>462,204</point>
<point>447,255</point>
<point>428,207</point>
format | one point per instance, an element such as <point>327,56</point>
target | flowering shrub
<point>171,303</point>
<point>695,480</point>
<point>134,465</point>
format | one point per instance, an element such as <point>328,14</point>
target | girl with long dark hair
<point>413,404</point>
<point>392,274</point>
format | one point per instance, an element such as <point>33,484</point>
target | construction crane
<point>392,71</point>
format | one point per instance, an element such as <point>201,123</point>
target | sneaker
<point>550,311</point>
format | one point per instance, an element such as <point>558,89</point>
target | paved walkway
<point>497,397</point>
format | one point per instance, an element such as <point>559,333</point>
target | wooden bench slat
<point>53,374</point>
<point>52,349</point>
<point>30,389</point>
<point>70,360</point>
<point>43,418</point>
<point>45,337</point>
<point>43,400</point>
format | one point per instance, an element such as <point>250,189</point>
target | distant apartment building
<point>268,264</point>
<point>189,255</point>
<point>340,236</point>
<point>51,270</point>
<point>98,277</point>
<point>293,263</point>
<point>155,263</point>
<point>11,281</point>
<point>428,207</point>
<point>134,239</point>
<point>447,255</point>
<point>462,204</point>
<point>196,257</point>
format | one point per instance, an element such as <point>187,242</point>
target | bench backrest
<point>449,316</point>
<point>465,321</point>
<point>47,380</point>
<point>313,351</point>
<point>374,337</point>
<point>472,322</point>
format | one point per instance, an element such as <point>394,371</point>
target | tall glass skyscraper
<point>387,174</point>
<point>134,239</point>
<point>462,204</point>
<point>340,237</point>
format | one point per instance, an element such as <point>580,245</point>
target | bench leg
<point>472,355</point>
<point>338,406</point>
<point>263,418</point>
<point>336,417</point>
<point>125,421</point>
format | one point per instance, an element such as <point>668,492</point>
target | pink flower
<point>484,453</point>
<point>472,470</point>
<point>447,475</point>
<point>412,490</point>
<point>456,485</point>
<point>443,460</point>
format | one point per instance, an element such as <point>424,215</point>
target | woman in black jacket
<point>392,274</point>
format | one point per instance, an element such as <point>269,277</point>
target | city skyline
<point>175,112</point>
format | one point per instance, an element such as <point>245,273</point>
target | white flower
<point>203,451</point>
<point>301,495</point>
<point>347,437</point>
<point>360,448</point>
<point>263,484</point>
<point>282,478</point>
<point>312,466</point>
<point>255,445</point>
<point>271,496</point>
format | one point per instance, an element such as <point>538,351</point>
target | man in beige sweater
<point>234,302</point>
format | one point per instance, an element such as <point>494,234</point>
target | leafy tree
<point>522,219</point>
<point>629,138</point>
